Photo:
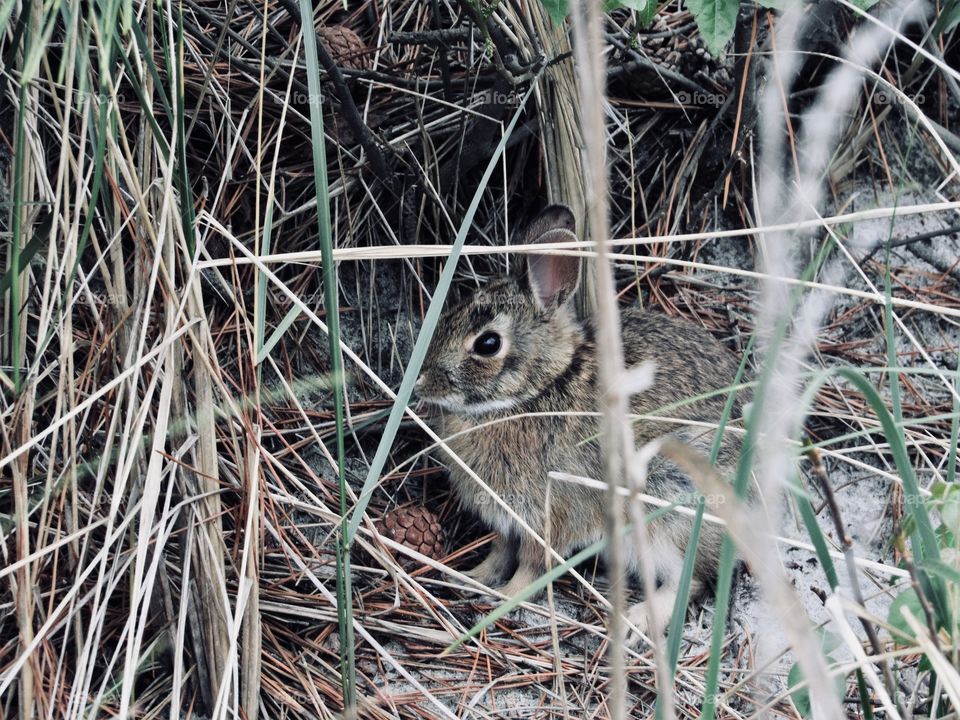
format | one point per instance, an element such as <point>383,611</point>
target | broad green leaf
<point>801,696</point>
<point>829,642</point>
<point>557,9</point>
<point>950,509</point>
<point>939,489</point>
<point>716,20</point>
<point>646,9</point>
<point>908,598</point>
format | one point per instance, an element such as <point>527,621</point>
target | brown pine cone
<point>345,47</point>
<point>416,527</point>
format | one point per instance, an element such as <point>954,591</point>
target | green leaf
<point>557,9</point>
<point>908,598</point>
<point>829,642</point>
<point>950,508</point>
<point>41,234</point>
<point>949,17</point>
<point>946,538</point>
<point>943,570</point>
<point>866,703</point>
<point>716,20</point>
<point>646,9</point>
<point>801,696</point>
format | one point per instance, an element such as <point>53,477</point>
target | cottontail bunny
<point>514,348</point>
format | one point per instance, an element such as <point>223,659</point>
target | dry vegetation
<point>169,500</point>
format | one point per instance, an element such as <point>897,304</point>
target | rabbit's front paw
<point>494,566</point>
<point>660,602</point>
<point>484,574</point>
<point>638,616</point>
<point>521,580</point>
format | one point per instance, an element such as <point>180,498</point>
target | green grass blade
<point>187,213</point>
<point>6,9</point>
<point>677,620</point>
<point>162,145</point>
<point>348,670</point>
<point>429,324</point>
<point>866,701</point>
<point>742,479</point>
<point>41,234</point>
<point>278,332</point>
<point>16,225</point>
<point>817,537</point>
<point>923,541</point>
<point>548,577</point>
<point>530,591</point>
<point>954,428</point>
<point>892,361</point>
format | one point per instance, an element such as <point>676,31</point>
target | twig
<point>371,145</point>
<point>849,556</point>
<point>639,61</point>
<point>919,237</point>
<point>439,36</point>
<point>915,584</point>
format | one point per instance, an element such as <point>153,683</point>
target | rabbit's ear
<point>552,217</point>
<point>552,278</point>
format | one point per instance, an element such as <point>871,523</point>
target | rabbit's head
<point>512,339</point>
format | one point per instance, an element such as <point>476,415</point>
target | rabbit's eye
<point>487,344</point>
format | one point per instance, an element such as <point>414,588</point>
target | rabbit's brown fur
<point>546,363</point>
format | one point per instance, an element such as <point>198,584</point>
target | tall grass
<point>331,301</point>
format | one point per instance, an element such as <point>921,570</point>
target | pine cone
<point>345,47</point>
<point>416,527</point>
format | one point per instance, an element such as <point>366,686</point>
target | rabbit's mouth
<point>457,404</point>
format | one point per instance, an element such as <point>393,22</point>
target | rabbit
<point>515,346</point>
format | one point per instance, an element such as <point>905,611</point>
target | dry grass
<point>166,500</point>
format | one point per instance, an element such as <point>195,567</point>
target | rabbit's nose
<point>418,385</point>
